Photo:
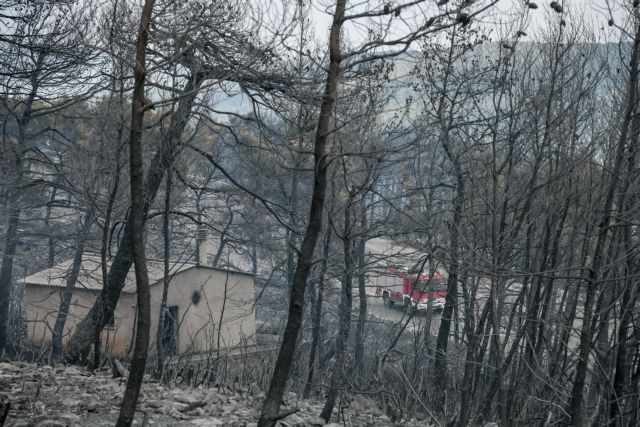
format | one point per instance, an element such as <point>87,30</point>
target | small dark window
<point>195,297</point>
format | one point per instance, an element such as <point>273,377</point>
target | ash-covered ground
<point>60,396</point>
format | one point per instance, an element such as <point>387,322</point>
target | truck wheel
<point>387,301</point>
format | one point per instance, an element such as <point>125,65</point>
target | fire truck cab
<point>412,290</point>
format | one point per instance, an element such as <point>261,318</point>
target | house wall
<point>42,303</point>
<point>221,292</point>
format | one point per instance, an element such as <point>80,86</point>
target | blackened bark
<point>622,370</point>
<point>475,351</point>
<point>574,407</point>
<point>280,376</point>
<point>291,241</point>
<point>317,316</point>
<point>362,290</point>
<point>6,274</point>
<point>337,376</point>
<point>106,238</point>
<point>451,299</point>
<point>14,208</point>
<point>166,280</point>
<point>140,351</point>
<point>102,310</point>
<point>67,292</point>
<point>622,366</point>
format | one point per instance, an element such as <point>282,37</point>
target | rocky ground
<point>60,396</point>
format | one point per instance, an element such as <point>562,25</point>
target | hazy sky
<point>506,16</point>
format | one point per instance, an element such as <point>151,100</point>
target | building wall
<point>42,303</point>
<point>223,293</point>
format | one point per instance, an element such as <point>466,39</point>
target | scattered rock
<point>69,402</point>
<point>186,398</point>
<point>91,405</point>
<point>254,389</point>
<point>292,420</point>
<point>177,414</point>
<point>316,421</point>
<point>208,422</point>
<point>71,418</point>
<point>50,423</point>
<point>43,396</point>
<point>362,404</point>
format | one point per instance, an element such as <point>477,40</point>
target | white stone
<point>207,422</point>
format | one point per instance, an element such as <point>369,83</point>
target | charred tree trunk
<point>140,351</point>
<point>451,299</point>
<point>106,238</point>
<point>475,351</point>
<point>317,316</point>
<point>67,292</point>
<point>102,310</point>
<point>280,376</point>
<point>574,407</point>
<point>117,86</point>
<point>6,273</point>
<point>342,346</point>
<point>362,290</point>
<point>165,282</point>
<point>14,208</point>
<point>291,241</point>
<point>622,371</point>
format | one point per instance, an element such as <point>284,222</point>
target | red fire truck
<point>396,286</point>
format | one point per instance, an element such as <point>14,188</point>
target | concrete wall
<point>221,292</point>
<point>229,294</point>
<point>42,303</point>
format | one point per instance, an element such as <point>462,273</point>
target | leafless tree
<point>44,44</point>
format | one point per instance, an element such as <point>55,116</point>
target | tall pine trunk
<point>14,208</point>
<point>103,308</point>
<point>67,292</point>
<point>317,316</point>
<point>362,290</point>
<point>574,407</point>
<point>280,376</point>
<point>6,273</point>
<point>451,298</point>
<point>165,282</point>
<point>342,346</point>
<point>141,348</point>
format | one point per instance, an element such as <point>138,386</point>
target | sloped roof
<point>90,276</point>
